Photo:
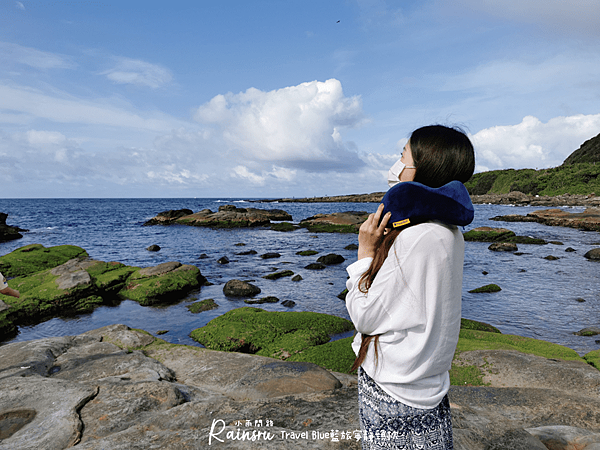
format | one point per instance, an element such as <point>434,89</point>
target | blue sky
<point>282,98</point>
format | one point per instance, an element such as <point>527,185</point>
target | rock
<point>315,266</point>
<point>168,217</point>
<point>161,332</point>
<point>489,234</point>
<point>203,256</point>
<point>593,254</point>
<point>484,272</point>
<point>239,288</point>
<point>153,248</point>
<point>166,282</point>
<point>503,247</point>
<point>35,258</point>
<point>556,242</point>
<point>588,220</point>
<point>342,295</point>
<point>570,249</point>
<point>270,255</point>
<point>277,275</point>
<point>297,278</point>
<point>92,391</point>
<point>283,226</point>
<point>551,258</point>
<point>580,300</point>
<point>351,247</point>
<point>253,330</point>
<point>331,259</point>
<point>589,331</point>
<point>307,252</point>
<point>248,252</point>
<point>269,299</point>
<point>342,222</point>
<point>228,216</point>
<point>223,260</point>
<point>8,233</point>
<point>486,289</point>
<point>288,303</point>
<point>202,305</point>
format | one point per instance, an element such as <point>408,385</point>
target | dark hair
<point>441,155</point>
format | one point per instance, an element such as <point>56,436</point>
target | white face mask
<point>395,171</point>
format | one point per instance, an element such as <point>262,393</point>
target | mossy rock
<point>486,289</point>
<point>283,226</point>
<point>202,305</point>
<point>307,253</point>
<point>336,355</point>
<point>500,235</point>
<point>167,287</point>
<point>277,275</point>
<point>253,330</point>
<point>342,295</point>
<point>329,228</point>
<point>260,301</point>
<point>110,277</point>
<point>467,324</point>
<point>36,258</point>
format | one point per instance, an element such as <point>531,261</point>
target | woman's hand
<point>371,232</point>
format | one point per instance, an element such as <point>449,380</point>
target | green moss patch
<point>110,277</point>
<point>253,330</point>
<point>500,236</point>
<point>486,289</point>
<point>336,355</point>
<point>329,228</point>
<point>307,252</point>
<point>202,305</point>
<point>467,324</point>
<point>283,226</point>
<point>277,275</point>
<point>160,288</point>
<point>36,258</point>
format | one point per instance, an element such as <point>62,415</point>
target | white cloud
<point>67,109</point>
<point>14,53</point>
<point>20,6</point>
<point>533,143</point>
<point>296,127</point>
<point>140,73</point>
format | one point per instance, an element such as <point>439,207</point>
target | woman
<point>404,293</point>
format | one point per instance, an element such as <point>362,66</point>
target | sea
<point>540,298</point>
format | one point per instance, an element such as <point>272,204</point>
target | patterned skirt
<point>387,423</point>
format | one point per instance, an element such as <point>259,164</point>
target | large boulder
<point>490,234</point>
<point>239,288</point>
<point>228,216</point>
<point>593,254</point>
<point>168,217</point>
<point>8,233</point>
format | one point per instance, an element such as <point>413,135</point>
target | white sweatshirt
<point>415,304</point>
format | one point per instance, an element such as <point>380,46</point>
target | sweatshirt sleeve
<point>395,301</point>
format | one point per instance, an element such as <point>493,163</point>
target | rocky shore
<point>7,232</point>
<point>120,388</point>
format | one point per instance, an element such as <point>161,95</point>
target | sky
<point>271,98</point>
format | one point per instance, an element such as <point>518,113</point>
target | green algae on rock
<point>35,258</point>
<point>489,234</point>
<point>254,330</point>
<point>486,289</point>
<point>64,280</point>
<point>277,275</point>
<point>202,305</point>
<point>152,287</point>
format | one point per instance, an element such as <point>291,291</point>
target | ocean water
<point>538,297</point>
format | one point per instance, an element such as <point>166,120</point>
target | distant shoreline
<point>512,198</point>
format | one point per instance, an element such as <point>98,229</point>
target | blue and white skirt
<point>387,423</point>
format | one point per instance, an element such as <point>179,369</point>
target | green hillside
<point>577,175</point>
